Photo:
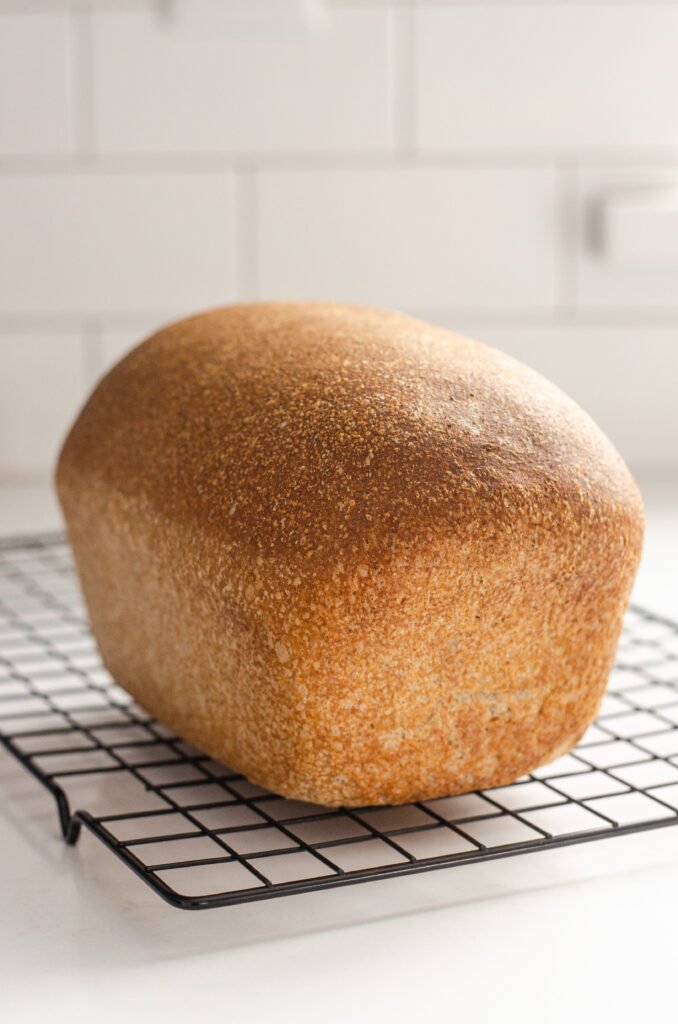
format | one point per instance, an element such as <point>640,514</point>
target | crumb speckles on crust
<point>359,558</point>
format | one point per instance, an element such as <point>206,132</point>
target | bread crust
<point>359,558</point>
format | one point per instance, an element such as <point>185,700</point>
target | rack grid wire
<point>203,836</point>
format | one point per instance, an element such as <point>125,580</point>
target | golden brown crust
<point>359,558</point>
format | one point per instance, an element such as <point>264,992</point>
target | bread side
<point>358,558</point>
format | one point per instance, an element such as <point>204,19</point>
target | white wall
<point>443,158</point>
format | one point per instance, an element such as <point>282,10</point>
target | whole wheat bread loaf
<point>358,558</point>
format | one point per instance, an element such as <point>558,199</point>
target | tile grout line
<point>14,7</point>
<point>246,270</point>
<point>401,79</point>
<point>370,4</point>
<point>83,87</point>
<point>382,160</point>
<point>566,242</point>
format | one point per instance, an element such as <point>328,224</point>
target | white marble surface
<point>581,933</point>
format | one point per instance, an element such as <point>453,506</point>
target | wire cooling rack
<point>203,836</point>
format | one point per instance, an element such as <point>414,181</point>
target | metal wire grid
<point>203,836</point>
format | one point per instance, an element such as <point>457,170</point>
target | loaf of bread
<point>358,558</point>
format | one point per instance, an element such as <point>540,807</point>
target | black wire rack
<point>203,836</point>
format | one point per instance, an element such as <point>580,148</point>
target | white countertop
<point>581,933</point>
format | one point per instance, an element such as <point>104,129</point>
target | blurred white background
<point>507,169</point>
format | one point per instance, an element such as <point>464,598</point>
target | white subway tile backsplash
<point>471,237</point>
<point>37,83</point>
<point>42,386</point>
<point>624,377</point>
<point>101,243</point>
<point>404,158</point>
<point>546,75</point>
<point>160,88</point>
<point>601,281</point>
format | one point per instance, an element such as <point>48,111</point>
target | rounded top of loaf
<point>312,435</point>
